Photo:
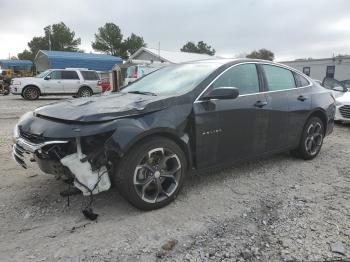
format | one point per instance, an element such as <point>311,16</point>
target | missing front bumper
<point>23,148</point>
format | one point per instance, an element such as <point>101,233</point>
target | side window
<point>56,75</point>
<point>278,78</point>
<point>69,75</point>
<point>300,81</point>
<point>244,77</point>
<point>90,75</point>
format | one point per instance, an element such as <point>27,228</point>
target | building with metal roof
<point>61,59</point>
<point>11,64</point>
<point>158,55</point>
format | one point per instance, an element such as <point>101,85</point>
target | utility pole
<point>50,38</point>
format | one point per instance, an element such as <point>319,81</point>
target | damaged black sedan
<point>191,116</point>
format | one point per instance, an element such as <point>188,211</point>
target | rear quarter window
<point>90,75</point>
<point>300,81</point>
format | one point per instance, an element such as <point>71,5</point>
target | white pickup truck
<point>69,81</point>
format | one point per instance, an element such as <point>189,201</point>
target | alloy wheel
<point>31,93</point>
<point>314,138</point>
<point>85,93</point>
<point>157,175</point>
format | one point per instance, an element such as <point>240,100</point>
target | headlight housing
<point>338,103</point>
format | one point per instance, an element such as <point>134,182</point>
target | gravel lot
<point>274,209</point>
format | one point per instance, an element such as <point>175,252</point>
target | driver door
<point>231,129</point>
<point>53,84</point>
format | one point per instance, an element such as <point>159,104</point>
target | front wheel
<point>311,140</point>
<point>31,93</point>
<point>151,174</point>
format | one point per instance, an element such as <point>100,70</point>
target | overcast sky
<point>290,28</point>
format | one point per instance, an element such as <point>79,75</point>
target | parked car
<point>346,83</point>
<point>183,117</point>
<point>104,84</point>
<point>342,95</point>
<point>69,81</point>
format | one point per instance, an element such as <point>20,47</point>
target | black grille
<point>345,111</point>
<point>36,139</point>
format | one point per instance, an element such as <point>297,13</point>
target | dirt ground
<point>275,209</point>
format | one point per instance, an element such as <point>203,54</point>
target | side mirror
<point>339,89</point>
<point>222,93</point>
<point>47,77</point>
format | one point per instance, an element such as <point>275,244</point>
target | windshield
<point>173,79</point>
<point>43,74</point>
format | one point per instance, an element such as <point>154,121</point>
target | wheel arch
<point>320,113</point>
<point>31,85</point>
<point>183,142</point>
<point>85,86</point>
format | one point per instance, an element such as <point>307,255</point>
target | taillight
<point>99,82</point>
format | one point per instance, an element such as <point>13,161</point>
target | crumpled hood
<point>103,108</point>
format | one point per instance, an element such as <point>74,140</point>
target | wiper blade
<point>143,93</point>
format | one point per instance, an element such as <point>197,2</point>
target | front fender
<point>132,130</point>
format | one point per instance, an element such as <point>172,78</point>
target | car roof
<point>223,61</point>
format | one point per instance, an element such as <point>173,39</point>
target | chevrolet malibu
<point>192,116</point>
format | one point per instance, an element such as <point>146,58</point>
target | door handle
<point>302,98</point>
<point>260,104</point>
<point>59,82</point>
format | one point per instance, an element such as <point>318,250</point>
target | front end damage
<point>81,161</point>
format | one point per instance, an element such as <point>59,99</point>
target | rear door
<point>286,106</point>
<point>231,129</point>
<point>53,84</point>
<point>70,81</point>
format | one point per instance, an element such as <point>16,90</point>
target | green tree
<point>25,55</point>
<point>262,54</point>
<point>200,48</point>
<point>58,37</point>
<point>109,40</point>
<point>133,43</point>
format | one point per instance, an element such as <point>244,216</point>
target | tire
<point>85,92</point>
<point>151,174</point>
<point>31,93</point>
<point>311,140</point>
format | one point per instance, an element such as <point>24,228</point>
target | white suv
<point>69,81</point>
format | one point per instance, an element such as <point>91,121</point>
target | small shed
<point>16,65</point>
<point>61,59</point>
<point>173,57</point>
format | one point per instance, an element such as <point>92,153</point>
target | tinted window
<point>278,78</point>
<point>69,75</point>
<point>56,75</point>
<point>244,77</point>
<point>300,81</point>
<point>90,75</point>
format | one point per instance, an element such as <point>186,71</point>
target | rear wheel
<point>311,140</point>
<point>152,173</point>
<point>84,92</point>
<point>31,93</point>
